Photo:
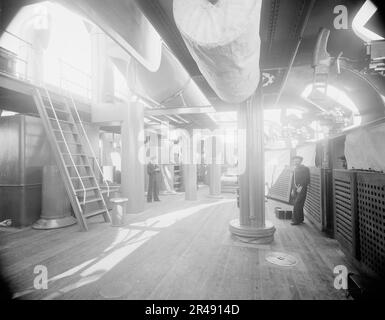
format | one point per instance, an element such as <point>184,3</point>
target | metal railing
<point>21,54</point>
<point>83,88</point>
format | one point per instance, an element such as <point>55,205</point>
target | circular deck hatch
<point>281,259</point>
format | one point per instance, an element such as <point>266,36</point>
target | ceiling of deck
<point>281,24</point>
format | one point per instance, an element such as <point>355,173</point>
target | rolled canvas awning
<point>223,38</point>
<point>170,80</point>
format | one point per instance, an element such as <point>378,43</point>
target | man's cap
<point>297,157</point>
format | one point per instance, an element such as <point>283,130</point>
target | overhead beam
<point>295,53</point>
<point>11,88</point>
<point>179,111</point>
<point>10,83</point>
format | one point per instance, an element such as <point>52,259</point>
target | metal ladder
<point>74,164</point>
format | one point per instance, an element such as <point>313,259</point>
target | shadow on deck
<point>175,249</point>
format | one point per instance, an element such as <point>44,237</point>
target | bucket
<point>118,212</point>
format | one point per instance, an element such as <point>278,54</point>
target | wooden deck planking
<point>148,265</point>
<point>192,266</point>
<point>158,257</point>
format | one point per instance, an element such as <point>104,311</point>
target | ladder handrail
<point>67,147</point>
<point>89,143</point>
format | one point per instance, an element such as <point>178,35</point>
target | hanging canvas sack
<point>223,38</point>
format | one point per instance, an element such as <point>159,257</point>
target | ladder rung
<point>86,189</point>
<point>92,200</point>
<point>83,177</point>
<point>103,190</point>
<point>78,165</point>
<point>75,154</point>
<point>94,213</point>
<point>56,110</point>
<point>65,131</point>
<point>64,121</point>
<point>73,143</point>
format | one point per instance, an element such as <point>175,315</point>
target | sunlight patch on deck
<point>129,240</point>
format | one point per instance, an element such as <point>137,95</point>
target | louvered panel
<point>345,213</point>
<point>313,203</point>
<point>371,213</point>
<point>281,189</point>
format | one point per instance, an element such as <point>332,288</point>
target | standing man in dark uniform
<point>300,182</point>
<point>153,172</point>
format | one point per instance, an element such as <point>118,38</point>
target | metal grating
<point>313,203</point>
<point>281,188</point>
<point>345,210</point>
<point>328,222</point>
<point>371,212</point>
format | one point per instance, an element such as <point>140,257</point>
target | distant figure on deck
<point>300,182</point>
<point>153,172</point>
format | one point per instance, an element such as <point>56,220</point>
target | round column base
<point>168,193</point>
<point>258,235</point>
<point>46,224</point>
<point>215,196</point>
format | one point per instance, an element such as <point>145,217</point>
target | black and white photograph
<point>194,156</point>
